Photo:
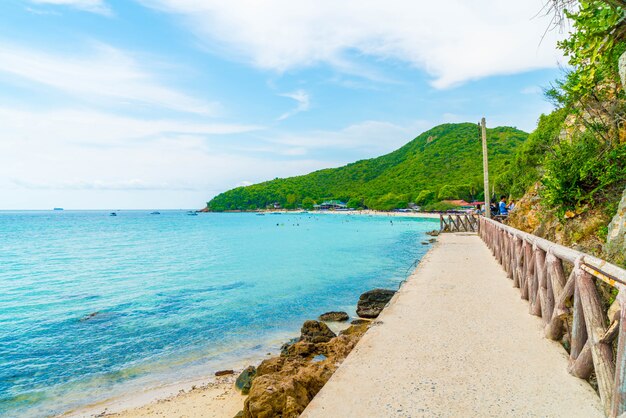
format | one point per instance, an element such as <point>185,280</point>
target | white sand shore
<point>213,397</point>
<point>382,213</point>
<point>362,213</point>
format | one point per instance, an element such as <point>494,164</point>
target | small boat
<point>112,214</point>
<point>260,214</point>
<point>57,209</point>
<point>192,213</point>
<point>155,213</point>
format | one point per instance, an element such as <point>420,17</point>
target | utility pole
<point>485,168</point>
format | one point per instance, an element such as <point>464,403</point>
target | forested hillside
<point>442,163</point>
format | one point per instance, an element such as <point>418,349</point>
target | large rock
<point>371,303</point>
<point>285,385</point>
<point>616,237</point>
<point>335,316</point>
<point>316,332</point>
<point>244,381</point>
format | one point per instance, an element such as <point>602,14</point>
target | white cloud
<point>93,6</point>
<point>364,138</point>
<point>106,73</point>
<point>86,159</point>
<point>130,184</point>
<point>453,40</point>
<point>534,90</point>
<point>303,100</point>
<point>89,128</point>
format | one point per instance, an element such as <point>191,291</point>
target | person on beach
<point>502,206</point>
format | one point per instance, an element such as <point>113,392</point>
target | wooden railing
<point>458,223</point>
<point>569,306</point>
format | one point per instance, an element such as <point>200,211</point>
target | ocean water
<point>94,306</point>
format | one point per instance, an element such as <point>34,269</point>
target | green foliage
<point>424,197</point>
<point>591,91</point>
<point>580,170</point>
<point>307,203</point>
<point>355,203</point>
<point>527,166</point>
<point>447,155</point>
<point>439,207</point>
<point>448,192</point>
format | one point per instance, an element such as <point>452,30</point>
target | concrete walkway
<point>456,341</point>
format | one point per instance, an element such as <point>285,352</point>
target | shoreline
<point>364,212</point>
<point>207,395</point>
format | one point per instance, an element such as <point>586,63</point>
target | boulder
<point>285,347</point>
<point>360,321</point>
<point>285,385</point>
<point>371,303</point>
<point>316,332</point>
<point>244,381</point>
<point>334,316</point>
<point>616,237</point>
<point>433,233</point>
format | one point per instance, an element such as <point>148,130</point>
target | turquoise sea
<point>94,306</point>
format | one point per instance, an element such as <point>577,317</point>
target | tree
<point>355,203</point>
<point>424,197</point>
<point>307,203</point>
<point>448,192</point>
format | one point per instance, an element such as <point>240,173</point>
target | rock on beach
<point>371,303</point>
<point>334,316</point>
<point>316,332</point>
<point>244,381</point>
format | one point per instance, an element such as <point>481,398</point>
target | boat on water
<point>112,214</point>
<point>260,214</point>
<point>155,213</point>
<point>57,209</point>
<point>192,213</point>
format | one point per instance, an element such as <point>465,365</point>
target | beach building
<point>462,204</point>
<point>331,205</point>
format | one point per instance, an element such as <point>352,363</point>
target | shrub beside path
<point>456,341</point>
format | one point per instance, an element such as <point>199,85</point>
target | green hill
<point>442,163</point>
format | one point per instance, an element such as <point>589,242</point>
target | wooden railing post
<point>595,322</point>
<point>619,394</point>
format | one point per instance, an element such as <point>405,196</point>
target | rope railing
<point>569,305</point>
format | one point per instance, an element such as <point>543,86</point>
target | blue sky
<point>165,103</point>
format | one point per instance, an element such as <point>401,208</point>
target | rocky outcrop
<point>316,332</point>
<point>616,237</point>
<point>334,316</point>
<point>285,385</point>
<point>245,379</point>
<point>371,303</point>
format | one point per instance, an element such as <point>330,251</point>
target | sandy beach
<point>213,397</point>
<point>365,213</point>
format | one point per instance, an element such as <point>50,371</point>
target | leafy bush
<point>580,170</point>
<point>424,197</point>
<point>439,207</point>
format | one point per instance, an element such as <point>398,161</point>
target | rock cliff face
<point>577,230</point>
<point>616,237</point>
<point>285,385</point>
